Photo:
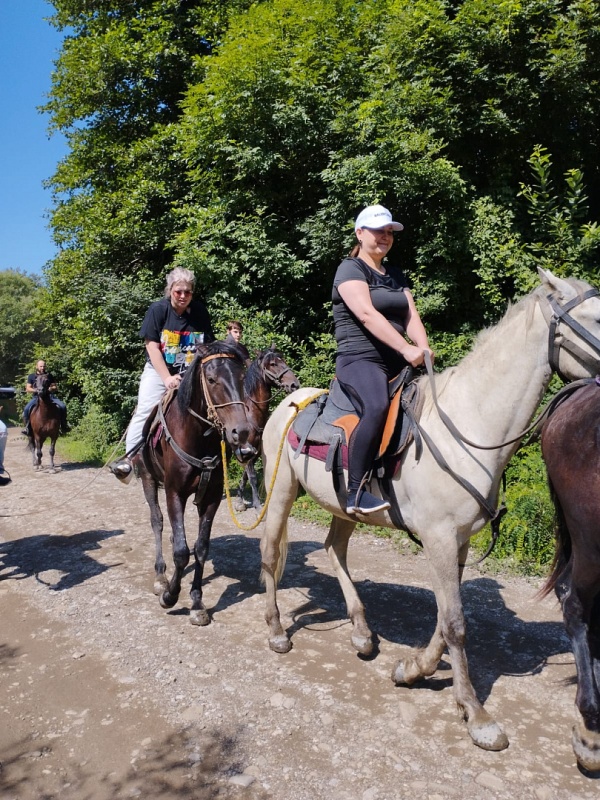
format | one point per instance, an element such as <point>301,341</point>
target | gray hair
<point>179,275</point>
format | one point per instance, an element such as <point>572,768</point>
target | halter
<point>554,314</point>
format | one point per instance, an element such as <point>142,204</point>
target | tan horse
<point>491,397</point>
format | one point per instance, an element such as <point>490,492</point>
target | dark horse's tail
<point>562,553</point>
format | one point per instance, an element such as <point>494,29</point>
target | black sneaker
<point>367,504</point>
<point>122,469</point>
<point>25,432</point>
<point>4,479</point>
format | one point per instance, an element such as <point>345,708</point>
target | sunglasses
<point>185,292</point>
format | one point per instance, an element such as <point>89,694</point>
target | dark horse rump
<point>571,449</point>
<point>207,411</point>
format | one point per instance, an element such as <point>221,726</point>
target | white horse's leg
<point>336,545</point>
<point>273,548</point>
<point>424,662</point>
<point>443,560</point>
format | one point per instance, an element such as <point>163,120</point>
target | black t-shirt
<point>31,379</point>
<point>388,297</point>
<point>177,335</point>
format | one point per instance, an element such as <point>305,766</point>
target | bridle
<point>554,314</point>
<point>270,376</point>
<point>212,417</point>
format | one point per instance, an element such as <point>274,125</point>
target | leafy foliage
<point>20,331</point>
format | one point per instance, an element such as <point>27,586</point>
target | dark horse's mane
<point>187,387</point>
<point>254,379</point>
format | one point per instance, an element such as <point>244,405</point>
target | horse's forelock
<point>186,387</point>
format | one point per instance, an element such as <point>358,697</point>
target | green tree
<point>20,332</point>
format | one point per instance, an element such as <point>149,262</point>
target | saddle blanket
<point>314,450</point>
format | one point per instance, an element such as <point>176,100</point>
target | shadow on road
<point>498,641</point>
<point>64,556</point>
<point>183,765</point>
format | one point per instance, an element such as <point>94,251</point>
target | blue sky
<point>28,47</point>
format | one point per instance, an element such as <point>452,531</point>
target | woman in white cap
<point>378,332</point>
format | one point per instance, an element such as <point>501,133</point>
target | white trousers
<point>3,440</point>
<point>150,392</point>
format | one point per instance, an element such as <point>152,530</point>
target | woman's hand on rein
<point>174,382</point>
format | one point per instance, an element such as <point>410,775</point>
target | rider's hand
<point>414,355</point>
<point>174,382</point>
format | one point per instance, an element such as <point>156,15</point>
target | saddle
<point>322,430</point>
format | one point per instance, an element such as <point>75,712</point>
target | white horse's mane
<point>478,352</point>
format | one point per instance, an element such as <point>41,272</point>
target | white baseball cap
<point>376,217</point>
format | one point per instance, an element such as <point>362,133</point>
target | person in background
<point>234,336</point>
<point>4,478</point>
<point>172,329</point>
<point>378,332</point>
<point>30,388</point>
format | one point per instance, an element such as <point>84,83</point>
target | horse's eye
<point>211,380</point>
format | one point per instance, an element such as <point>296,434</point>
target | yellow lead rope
<point>297,407</point>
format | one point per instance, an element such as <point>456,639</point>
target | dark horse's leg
<point>250,471</point>
<point>51,452</point>
<point>150,485</point>
<point>207,509</point>
<point>176,502</point>
<point>577,589</point>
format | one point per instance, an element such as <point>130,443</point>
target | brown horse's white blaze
<point>491,396</point>
<point>571,449</point>
<point>187,459</point>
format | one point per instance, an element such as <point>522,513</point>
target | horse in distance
<point>44,422</point>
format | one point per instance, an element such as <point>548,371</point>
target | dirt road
<point>106,695</point>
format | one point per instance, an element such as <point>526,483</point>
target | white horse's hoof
<point>398,675</point>
<point>488,736</point>
<point>586,746</point>
<point>199,616</point>
<point>159,586</point>
<point>363,644</point>
<point>280,644</point>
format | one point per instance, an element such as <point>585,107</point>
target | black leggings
<point>365,380</point>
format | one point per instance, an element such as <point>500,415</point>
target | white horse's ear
<point>556,284</point>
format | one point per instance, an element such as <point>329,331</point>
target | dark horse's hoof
<point>167,600</point>
<point>199,616</point>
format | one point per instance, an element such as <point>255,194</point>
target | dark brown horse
<point>571,450</point>
<point>44,422</point>
<point>185,455</point>
<point>267,371</point>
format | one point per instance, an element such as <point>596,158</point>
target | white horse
<point>491,397</point>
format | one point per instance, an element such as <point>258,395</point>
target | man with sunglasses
<point>172,329</point>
